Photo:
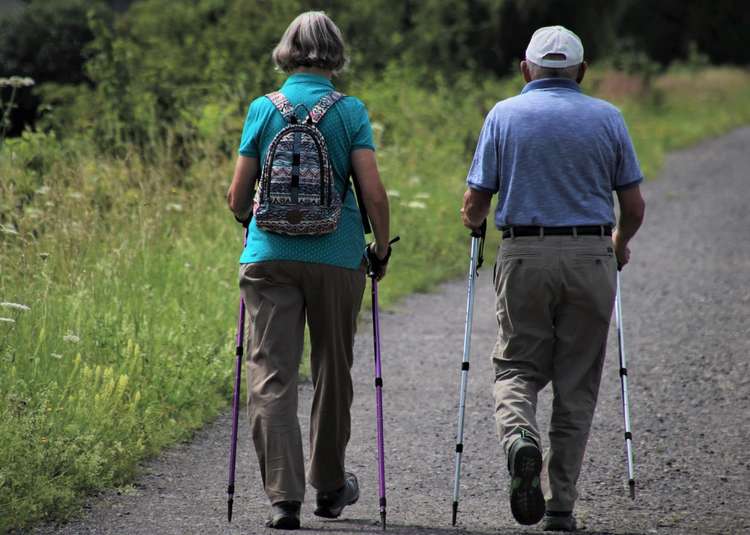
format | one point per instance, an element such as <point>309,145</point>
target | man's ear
<point>524,67</point>
<point>581,71</point>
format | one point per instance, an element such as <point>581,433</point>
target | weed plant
<point>118,278</point>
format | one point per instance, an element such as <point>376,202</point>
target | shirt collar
<point>552,83</point>
<point>308,78</point>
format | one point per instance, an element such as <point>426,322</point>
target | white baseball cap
<point>555,40</point>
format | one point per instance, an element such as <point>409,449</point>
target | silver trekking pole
<point>624,386</point>
<point>477,252</point>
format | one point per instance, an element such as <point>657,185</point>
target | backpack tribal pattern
<point>296,195</point>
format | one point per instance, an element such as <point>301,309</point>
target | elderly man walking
<point>554,156</point>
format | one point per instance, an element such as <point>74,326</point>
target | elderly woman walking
<point>305,262</point>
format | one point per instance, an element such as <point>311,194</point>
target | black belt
<point>585,230</point>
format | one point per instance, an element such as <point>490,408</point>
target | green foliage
<point>126,345</point>
<point>11,86</point>
<point>44,40</point>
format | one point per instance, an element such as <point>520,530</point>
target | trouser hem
<point>328,488</point>
<point>560,506</point>
<point>285,497</point>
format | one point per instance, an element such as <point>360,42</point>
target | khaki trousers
<point>554,302</point>
<point>280,296</point>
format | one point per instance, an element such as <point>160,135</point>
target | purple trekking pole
<point>378,387</point>
<point>239,350</point>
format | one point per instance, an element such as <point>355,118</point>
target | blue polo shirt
<point>554,155</point>
<point>345,127</point>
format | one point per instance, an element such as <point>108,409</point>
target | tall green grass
<point>129,270</point>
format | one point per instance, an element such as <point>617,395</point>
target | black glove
<point>376,266</point>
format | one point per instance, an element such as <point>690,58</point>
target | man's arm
<point>632,210</point>
<point>476,208</point>
<point>239,196</point>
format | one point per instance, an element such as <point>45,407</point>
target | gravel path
<point>686,308</point>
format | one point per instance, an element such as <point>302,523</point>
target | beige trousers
<point>280,296</point>
<point>554,302</point>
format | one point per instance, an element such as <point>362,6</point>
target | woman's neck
<point>313,70</point>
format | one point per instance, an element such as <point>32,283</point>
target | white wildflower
<point>44,190</point>
<point>416,204</point>
<point>49,204</point>
<point>72,338</point>
<point>8,229</point>
<point>7,320</point>
<point>16,81</point>
<point>75,195</point>
<point>415,180</point>
<point>15,306</point>
<point>174,207</point>
<point>57,356</point>
<point>34,213</point>
<point>422,195</point>
<point>44,256</point>
<point>393,193</point>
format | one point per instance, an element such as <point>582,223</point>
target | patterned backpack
<point>296,195</point>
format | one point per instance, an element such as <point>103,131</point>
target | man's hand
<point>622,251</point>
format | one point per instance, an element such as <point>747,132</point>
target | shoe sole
<point>285,522</point>
<point>526,498</point>
<point>568,527</point>
<point>325,512</point>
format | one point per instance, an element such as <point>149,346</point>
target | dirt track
<point>686,306</point>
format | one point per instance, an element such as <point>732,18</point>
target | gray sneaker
<point>559,521</point>
<point>525,466</point>
<point>284,515</point>
<point>331,504</point>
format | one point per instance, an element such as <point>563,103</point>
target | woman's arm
<point>239,196</point>
<point>373,194</point>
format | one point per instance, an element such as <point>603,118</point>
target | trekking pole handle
<point>481,231</point>
<point>373,262</point>
<point>480,234</point>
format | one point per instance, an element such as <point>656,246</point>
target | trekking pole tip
<point>382,519</point>
<point>230,502</point>
<point>455,512</point>
<point>631,484</point>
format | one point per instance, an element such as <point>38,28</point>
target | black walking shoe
<point>525,465</point>
<point>284,515</point>
<point>330,504</point>
<point>559,521</point>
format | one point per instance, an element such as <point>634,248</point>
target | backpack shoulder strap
<point>360,203</point>
<point>282,104</point>
<point>323,105</point>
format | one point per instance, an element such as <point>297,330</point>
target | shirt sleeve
<point>628,171</point>
<point>251,131</point>
<point>483,173</point>
<point>362,138</point>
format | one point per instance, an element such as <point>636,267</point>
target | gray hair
<point>537,71</point>
<point>311,40</point>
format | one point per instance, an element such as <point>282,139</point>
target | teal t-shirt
<point>346,127</point>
